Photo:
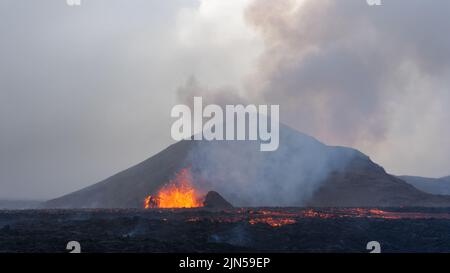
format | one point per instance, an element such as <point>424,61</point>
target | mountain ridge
<point>302,172</point>
<point>430,185</point>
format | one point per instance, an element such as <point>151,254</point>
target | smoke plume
<point>374,78</point>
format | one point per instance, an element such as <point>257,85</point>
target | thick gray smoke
<point>339,69</point>
<point>342,71</point>
<point>374,78</point>
<point>221,95</point>
<point>245,176</point>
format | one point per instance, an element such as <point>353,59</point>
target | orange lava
<point>273,222</point>
<point>276,218</point>
<point>178,193</point>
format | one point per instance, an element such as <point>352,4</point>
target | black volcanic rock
<point>214,200</point>
<point>302,172</point>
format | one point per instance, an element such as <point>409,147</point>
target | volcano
<point>302,172</point>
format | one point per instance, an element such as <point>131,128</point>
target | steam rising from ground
<point>375,78</point>
<point>245,176</point>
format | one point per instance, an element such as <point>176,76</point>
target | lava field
<point>234,230</point>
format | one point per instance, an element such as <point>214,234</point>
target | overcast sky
<point>87,91</point>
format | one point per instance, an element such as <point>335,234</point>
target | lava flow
<point>178,193</point>
<point>273,222</point>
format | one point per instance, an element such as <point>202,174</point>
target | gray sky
<point>87,91</point>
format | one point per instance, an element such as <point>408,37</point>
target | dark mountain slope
<point>303,171</point>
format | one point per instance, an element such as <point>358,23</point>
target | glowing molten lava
<point>178,193</point>
<point>273,222</point>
